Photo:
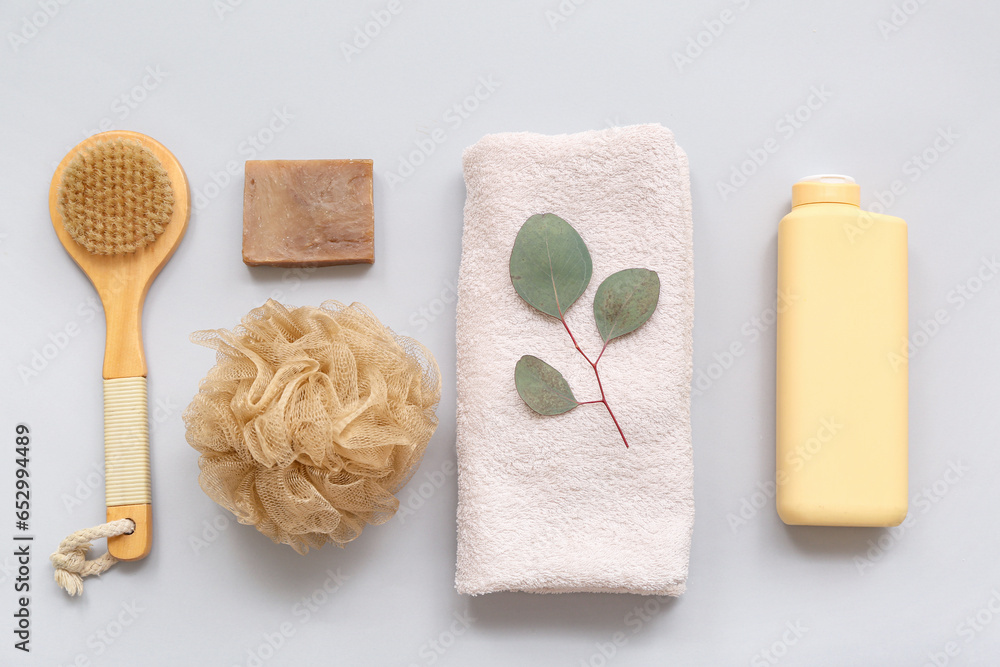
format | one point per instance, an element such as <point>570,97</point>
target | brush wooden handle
<point>126,413</point>
<point>123,300</point>
<point>126,464</point>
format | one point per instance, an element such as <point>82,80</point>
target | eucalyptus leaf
<point>542,387</point>
<point>624,301</point>
<point>550,265</point>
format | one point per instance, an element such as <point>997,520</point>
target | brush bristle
<point>115,197</point>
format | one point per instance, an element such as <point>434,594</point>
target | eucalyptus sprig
<point>550,268</point>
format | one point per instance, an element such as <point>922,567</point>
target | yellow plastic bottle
<point>841,355</point>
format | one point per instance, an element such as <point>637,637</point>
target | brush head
<point>115,197</point>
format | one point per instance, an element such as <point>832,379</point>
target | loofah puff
<point>311,420</point>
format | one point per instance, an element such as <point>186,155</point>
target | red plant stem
<point>597,374</point>
<point>598,360</point>
<point>562,318</point>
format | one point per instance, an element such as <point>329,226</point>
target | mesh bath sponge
<point>311,420</point>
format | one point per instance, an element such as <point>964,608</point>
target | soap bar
<point>308,213</point>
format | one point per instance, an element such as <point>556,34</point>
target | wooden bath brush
<point>120,205</point>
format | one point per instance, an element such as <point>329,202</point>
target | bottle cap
<point>826,188</point>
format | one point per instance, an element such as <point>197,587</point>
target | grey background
<point>857,597</point>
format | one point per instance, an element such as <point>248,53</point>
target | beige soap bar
<point>308,213</point>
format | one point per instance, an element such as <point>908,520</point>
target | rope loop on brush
<point>70,559</point>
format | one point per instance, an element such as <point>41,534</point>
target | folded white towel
<point>558,504</point>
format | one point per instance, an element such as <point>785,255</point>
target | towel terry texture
<point>558,504</point>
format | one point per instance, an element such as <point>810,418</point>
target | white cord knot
<point>70,559</point>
